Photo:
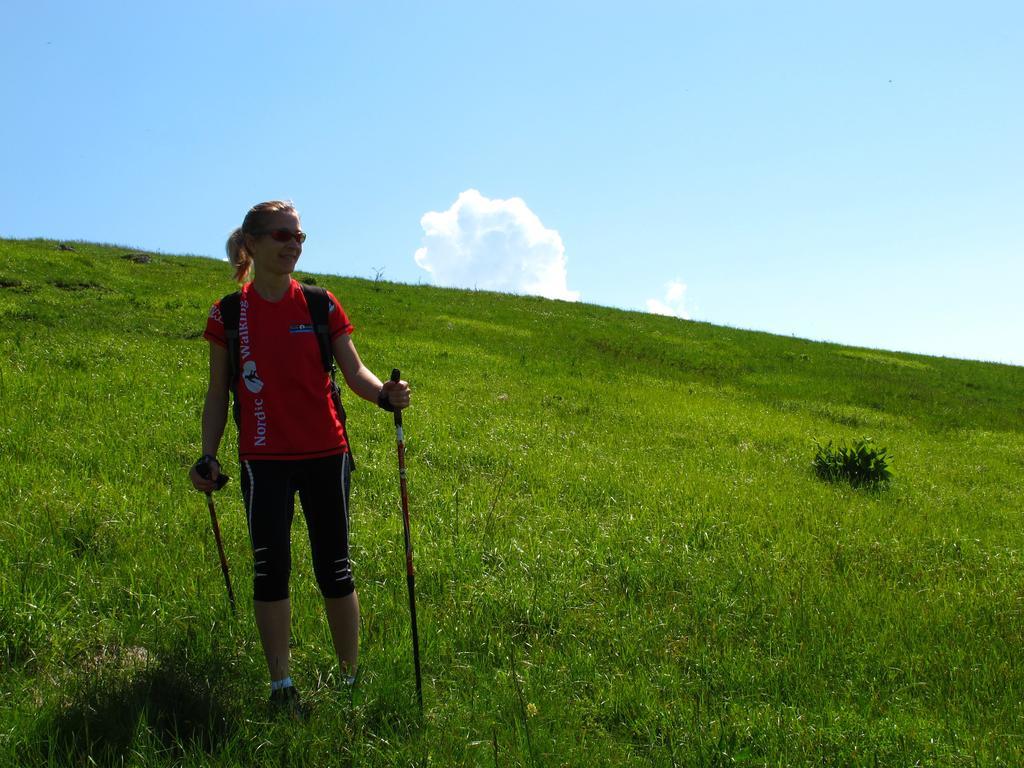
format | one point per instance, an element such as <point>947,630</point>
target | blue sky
<point>849,172</point>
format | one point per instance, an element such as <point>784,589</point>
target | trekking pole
<point>220,550</point>
<point>409,574</point>
<point>221,482</point>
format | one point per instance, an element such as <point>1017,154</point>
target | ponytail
<point>239,256</point>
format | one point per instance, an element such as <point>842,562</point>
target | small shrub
<point>863,464</point>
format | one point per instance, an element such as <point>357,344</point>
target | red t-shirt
<point>283,390</point>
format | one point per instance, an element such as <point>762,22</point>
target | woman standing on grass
<point>290,434</point>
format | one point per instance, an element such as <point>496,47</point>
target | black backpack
<point>318,303</point>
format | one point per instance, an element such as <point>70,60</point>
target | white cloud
<point>672,304</point>
<point>494,245</point>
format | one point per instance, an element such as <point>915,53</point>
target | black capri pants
<point>268,489</point>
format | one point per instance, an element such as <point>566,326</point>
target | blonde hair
<point>255,220</point>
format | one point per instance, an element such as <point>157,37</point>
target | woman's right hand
<point>207,483</point>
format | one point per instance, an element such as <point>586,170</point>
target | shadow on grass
<point>176,705</point>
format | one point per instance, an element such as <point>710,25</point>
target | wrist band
<point>384,402</point>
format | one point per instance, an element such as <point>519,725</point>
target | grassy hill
<point>623,555</point>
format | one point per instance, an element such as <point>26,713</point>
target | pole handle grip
<point>396,376</point>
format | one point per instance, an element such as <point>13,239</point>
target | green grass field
<point>623,555</point>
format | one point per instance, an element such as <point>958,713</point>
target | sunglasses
<point>284,235</point>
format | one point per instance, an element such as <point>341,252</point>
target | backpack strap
<point>319,308</point>
<point>230,314</point>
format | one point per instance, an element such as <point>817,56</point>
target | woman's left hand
<point>398,394</point>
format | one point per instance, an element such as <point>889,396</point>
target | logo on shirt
<point>302,328</point>
<point>252,379</point>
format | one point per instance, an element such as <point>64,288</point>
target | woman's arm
<point>361,380</point>
<point>215,415</point>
